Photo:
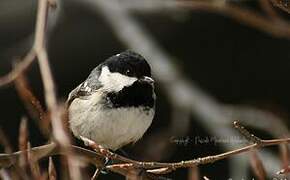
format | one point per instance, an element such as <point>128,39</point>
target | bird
<point>115,105</point>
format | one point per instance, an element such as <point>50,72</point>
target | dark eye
<point>128,72</point>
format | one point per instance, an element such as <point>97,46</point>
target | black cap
<point>129,63</point>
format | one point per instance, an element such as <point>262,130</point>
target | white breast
<point>111,128</point>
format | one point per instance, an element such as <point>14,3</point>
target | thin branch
<point>51,149</point>
<point>129,164</point>
<point>96,174</point>
<point>51,170</point>
<point>18,69</point>
<point>249,136</point>
<point>183,164</point>
<point>268,8</point>
<point>32,104</point>
<point>193,173</point>
<point>46,74</point>
<point>205,178</point>
<point>38,44</point>
<point>282,4</point>
<point>18,171</point>
<point>285,170</point>
<point>238,13</point>
<point>22,141</point>
<point>195,162</point>
<point>257,166</point>
<point>284,151</point>
<point>242,15</point>
<point>34,166</point>
<point>38,50</point>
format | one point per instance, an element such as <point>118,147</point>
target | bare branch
<point>22,141</point>
<point>205,178</point>
<point>282,4</point>
<point>284,151</point>
<point>51,150</point>
<point>249,136</point>
<point>242,15</point>
<point>96,174</point>
<point>18,69</point>
<point>257,166</point>
<point>183,164</point>
<point>129,165</point>
<point>32,104</point>
<point>51,170</point>
<point>284,171</point>
<point>33,164</point>
<point>193,173</point>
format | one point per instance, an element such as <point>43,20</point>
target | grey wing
<point>88,87</point>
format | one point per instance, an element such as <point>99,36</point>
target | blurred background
<point>211,68</point>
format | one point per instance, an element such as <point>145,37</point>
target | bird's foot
<point>108,161</point>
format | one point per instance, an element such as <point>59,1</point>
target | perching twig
<point>130,164</point>
<point>249,136</point>
<point>51,149</point>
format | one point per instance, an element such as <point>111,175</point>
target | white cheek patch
<point>114,81</point>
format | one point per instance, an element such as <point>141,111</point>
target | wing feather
<point>87,88</point>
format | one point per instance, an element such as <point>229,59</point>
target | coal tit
<point>115,105</point>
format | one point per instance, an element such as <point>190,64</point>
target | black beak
<point>146,79</point>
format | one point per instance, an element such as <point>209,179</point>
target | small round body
<point>110,127</point>
<point>115,105</point>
